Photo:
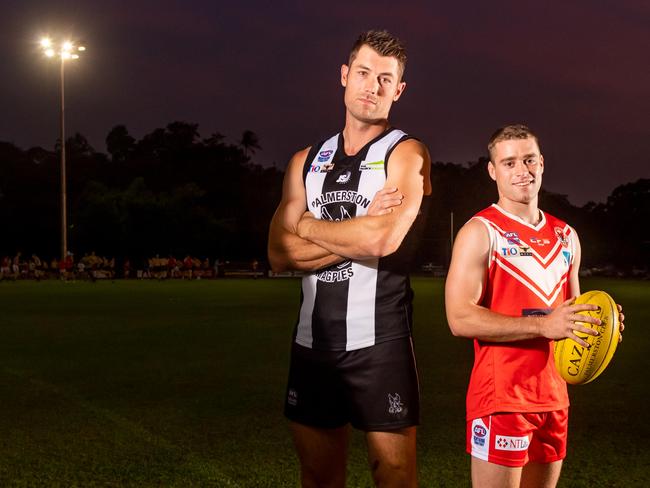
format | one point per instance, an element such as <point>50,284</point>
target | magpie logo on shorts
<point>395,405</point>
<point>510,443</point>
<point>292,397</point>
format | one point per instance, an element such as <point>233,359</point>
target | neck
<point>526,211</point>
<point>357,134</point>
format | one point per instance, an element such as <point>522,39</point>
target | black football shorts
<point>374,389</point>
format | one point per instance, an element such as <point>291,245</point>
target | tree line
<point>174,192</point>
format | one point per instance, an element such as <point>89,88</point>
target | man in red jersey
<point>511,287</point>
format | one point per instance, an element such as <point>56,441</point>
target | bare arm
<point>286,250</point>
<point>372,236</point>
<point>465,286</point>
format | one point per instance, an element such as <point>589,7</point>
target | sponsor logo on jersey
<point>324,156</point>
<point>368,166</point>
<point>525,251</point>
<point>509,443</point>
<point>314,168</point>
<point>567,257</point>
<point>516,251</point>
<point>540,242</point>
<point>342,196</point>
<point>327,167</point>
<point>535,312</point>
<point>561,237</point>
<point>395,405</point>
<point>512,237</point>
<point>344,178</point>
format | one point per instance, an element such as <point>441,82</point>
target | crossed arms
<point>299,241</point>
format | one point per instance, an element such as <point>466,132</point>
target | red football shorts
<point>513,439</point>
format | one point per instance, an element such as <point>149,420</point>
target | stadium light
<point>67,51</point>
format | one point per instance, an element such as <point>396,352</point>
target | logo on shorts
<point>395,405</point>
<point>479,435</point>
<point>509,443</point>
<point>292,397</point>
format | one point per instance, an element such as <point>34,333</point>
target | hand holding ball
<point>579,365</point>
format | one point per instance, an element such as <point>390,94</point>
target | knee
<point>322,478</point>
<point>393,473</point>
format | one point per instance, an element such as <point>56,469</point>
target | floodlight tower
<point>66,51</point>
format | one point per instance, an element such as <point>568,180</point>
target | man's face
<point>517,166</point>
<point>372,83</point>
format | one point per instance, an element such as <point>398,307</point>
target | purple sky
<point>577,72</point>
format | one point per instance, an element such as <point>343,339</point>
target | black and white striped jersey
<point>354,304</point>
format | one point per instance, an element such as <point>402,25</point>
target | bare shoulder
<point>411,148</point>
<point>299,158</point>
<point>473,236</point>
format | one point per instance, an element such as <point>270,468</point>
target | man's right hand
<point>384,201</point>
<point>562,322</point>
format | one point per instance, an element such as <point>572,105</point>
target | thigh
<point>392,457</point>
<point>489,475</point>
<point>382,384</point>
<point>322,454</point>
<point>541,475</point>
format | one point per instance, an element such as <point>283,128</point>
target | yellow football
<point>579,365</point>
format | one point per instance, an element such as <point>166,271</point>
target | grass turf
<point>182,384</point>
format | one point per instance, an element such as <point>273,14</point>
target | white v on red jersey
<point>528,274</point>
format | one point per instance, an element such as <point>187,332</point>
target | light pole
<point>66,51</point>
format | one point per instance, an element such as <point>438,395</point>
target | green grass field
<point>182,384</point>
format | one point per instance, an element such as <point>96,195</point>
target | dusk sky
<point>577,72</point>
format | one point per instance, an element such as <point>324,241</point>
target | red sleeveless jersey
<point>528,274</point>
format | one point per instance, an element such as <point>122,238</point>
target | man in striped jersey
<point>513,273</point>
<point>348,202</point>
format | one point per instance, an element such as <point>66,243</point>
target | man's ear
<point>492,170</point>
<point>345,69</point>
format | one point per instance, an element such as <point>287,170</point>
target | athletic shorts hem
<point>386,427</point>
<point>316,425</point>
<point>517,464</point>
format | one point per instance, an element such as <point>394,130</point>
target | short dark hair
<point>509,132</point>
<point>384,43</point>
